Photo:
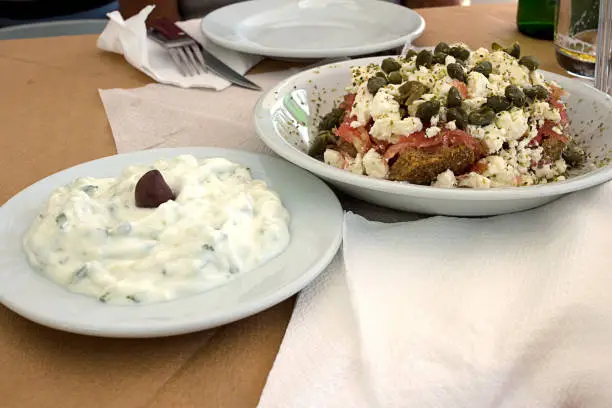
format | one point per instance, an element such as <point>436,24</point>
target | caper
<point>484,67</point>
<point>410,53</point>
<point>453,98</point>
<point>530,62</point>
<point>424,58</point>
<point>375,83</point>
<point>536,92</point>
<point>390,65</point>
<point>496,47</point>
<point>411,91</point>
<point>320,143</point>
<point>574,155</point>
<point>459,52</point>
<point>481,117</point>
<point>427,109</point>
<point>439,58</point>
<point>458,115</point>
<point>332,119</point>
<point>395,77</point>
<point>381,74</point>
<point>442,47</point>
<point>541,92</point>
<point>514,50</point>
<point>515,95</point>
<point>455,71</point>
<point>498,103</point>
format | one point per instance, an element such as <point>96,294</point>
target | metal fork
<point>184,50</point>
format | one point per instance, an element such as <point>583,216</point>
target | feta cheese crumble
<point>505,132</point>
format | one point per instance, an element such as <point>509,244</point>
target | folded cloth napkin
<point>129,38</point>
<point>507,312</point>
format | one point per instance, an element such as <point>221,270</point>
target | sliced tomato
<point>380,145</point>
<point>358,137</point>
<point>562,111</point>
<point>413,141</point>
<point>461,87</point>
<point>554,99</point>
<point>556,93</point>
<point>459,137</point>
<point>445,138</point>
<point>420,140</point>
<point>480,167</point>
<point>545,132</point>
<point>349,100</point>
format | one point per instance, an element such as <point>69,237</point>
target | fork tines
<point>184,50</point>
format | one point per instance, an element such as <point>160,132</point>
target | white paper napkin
<point>129,38</point>
<point>166,116</point>
<point>511,311</point>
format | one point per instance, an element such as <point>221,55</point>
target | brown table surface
<point>52,118</point>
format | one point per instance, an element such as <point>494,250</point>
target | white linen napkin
<point>129,38</point>
<point>506,312</point>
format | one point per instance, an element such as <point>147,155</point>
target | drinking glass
<point>576,23</point>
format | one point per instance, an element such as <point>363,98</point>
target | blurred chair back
<point>53,29</point>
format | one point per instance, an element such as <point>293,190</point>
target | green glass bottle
<point>535,18</point>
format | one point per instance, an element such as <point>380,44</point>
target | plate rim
<point>310,54</point>
<point>293,155</point>
<point>229,315</point>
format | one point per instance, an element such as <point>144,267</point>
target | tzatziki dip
<point>92,237</point>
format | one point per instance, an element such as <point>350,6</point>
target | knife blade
<point>172,33</point>
<point>223,70</point>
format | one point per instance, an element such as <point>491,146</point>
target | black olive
<point>411,91</point>
<point>424,58</point>
<point>427,109</point>
<point>375,83</point>
<point>536,92</point>
<point>332,119</point>
<point>442,47</point>
<point>515,95</point>
<point>482,117</point>
<point>453,98</point>
<point>410,53</point>
<point>530,62</point>
<point>439,58</point>
<point>390,65</point>
<point>484,67</point>
<point>456,71</point>
<point>151,190</point>
<point>459,53</point>
<point>458,115</point>
<point>498,103</point>
<point>395,77</point>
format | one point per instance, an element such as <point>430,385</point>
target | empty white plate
<point>316,222</point>
<point>312,28</point>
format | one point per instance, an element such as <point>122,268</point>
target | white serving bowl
<point>286,118</point>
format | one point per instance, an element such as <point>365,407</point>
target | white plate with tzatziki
<point>164,242</point>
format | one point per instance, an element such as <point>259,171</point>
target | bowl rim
<point>279,145</point>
